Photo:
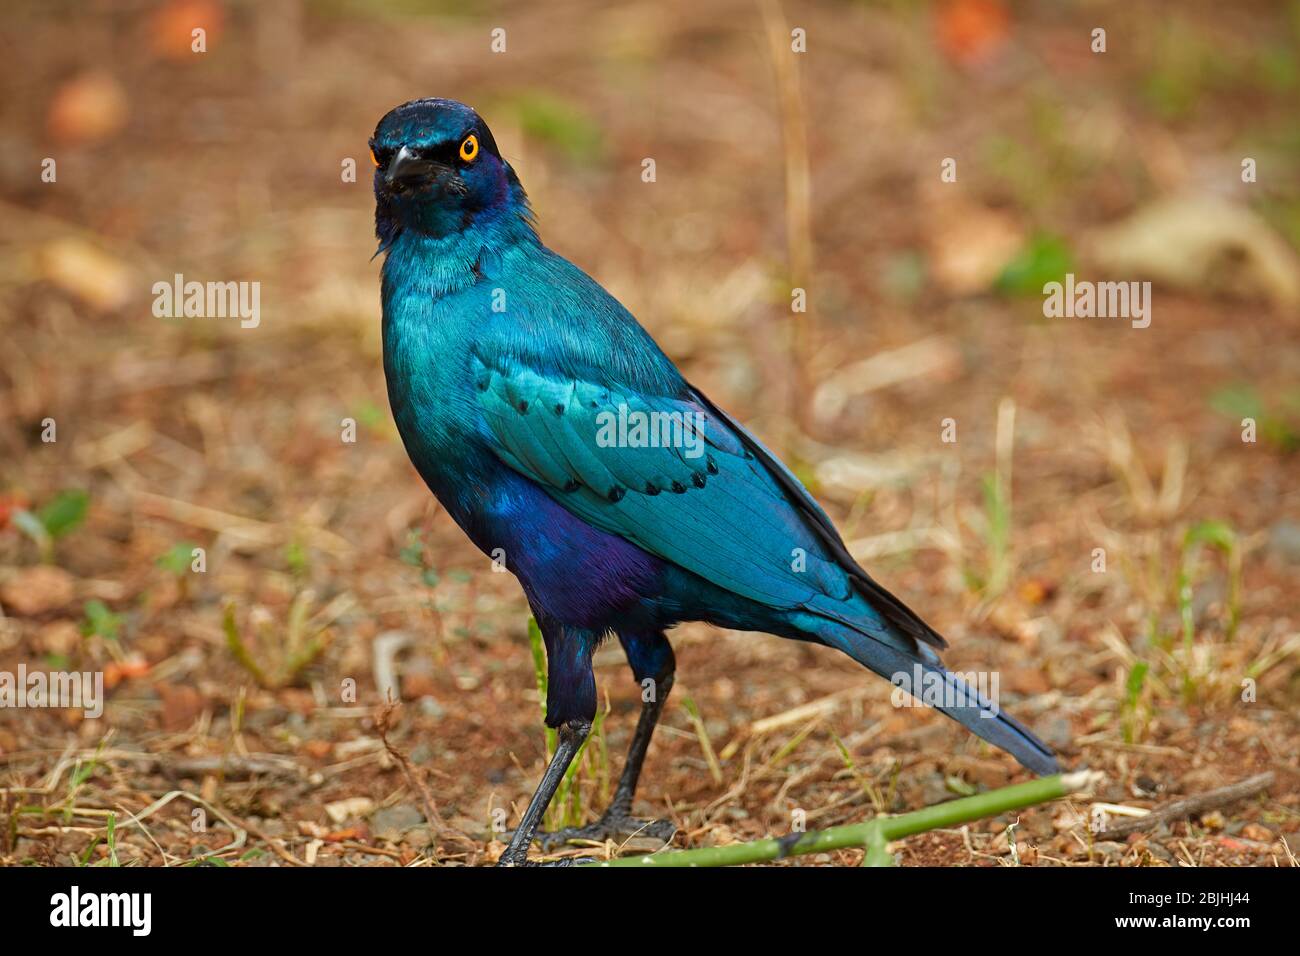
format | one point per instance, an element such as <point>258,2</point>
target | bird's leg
<point>645,728</point>
<point>570,708</point>
<point>570,737</point>
<point>648,654</point>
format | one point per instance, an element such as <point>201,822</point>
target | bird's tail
<point>923,676</point>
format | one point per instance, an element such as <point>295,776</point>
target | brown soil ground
<point>195,432</point>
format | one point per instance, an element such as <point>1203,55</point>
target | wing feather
<point>711,513</point>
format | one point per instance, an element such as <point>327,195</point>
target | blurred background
<point>1099,533</point>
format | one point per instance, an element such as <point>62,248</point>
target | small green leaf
<point>177,559</point>
<point>1136,679</point>
<point>959,786</point>
<point>1213,533</point>
<point>412,552</point>
<point>1044,259</point>
<point>65,512</point>
<point>100,621</point>
<point>1239,401</point>
<point>295,557</point>
<point>370,415</point>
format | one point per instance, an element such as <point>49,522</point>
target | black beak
<point>407,169</point>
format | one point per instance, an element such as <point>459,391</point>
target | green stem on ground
<point>876,833</point>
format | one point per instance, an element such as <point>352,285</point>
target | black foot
<point>616,825</point>
<point>567,861</point>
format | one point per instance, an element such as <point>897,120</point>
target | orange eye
<point>469,148</point>
<point>373,158</point>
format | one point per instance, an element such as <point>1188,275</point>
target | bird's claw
<point>524,861</point>
<point>615,825</point>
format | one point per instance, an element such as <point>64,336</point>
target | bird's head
<point>438,172</point>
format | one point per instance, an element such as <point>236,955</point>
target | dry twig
<point>1198,803</point>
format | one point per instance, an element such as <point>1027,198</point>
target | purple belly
<point>577,574</point>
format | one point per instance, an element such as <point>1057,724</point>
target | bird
<point>569,447</point>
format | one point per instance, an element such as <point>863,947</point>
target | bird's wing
<point>895,611</point>
<point>703,493</point>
